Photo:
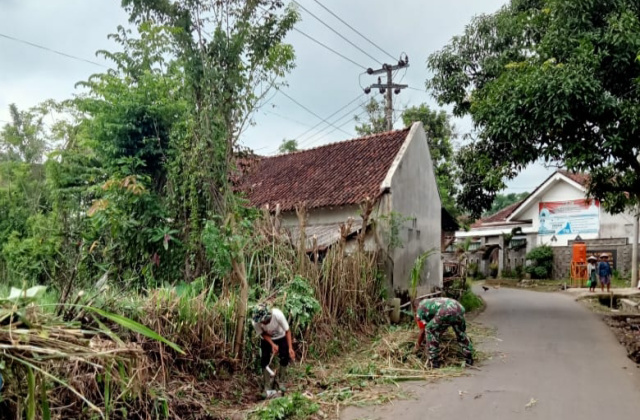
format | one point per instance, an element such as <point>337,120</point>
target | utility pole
<point>634,251</point>
<point>388,88</point>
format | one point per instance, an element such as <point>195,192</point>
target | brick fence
<point>620,248</point>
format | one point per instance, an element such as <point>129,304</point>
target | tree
<point>375,121</point>
<point>233,53</point>
<point>288,146</point>
<point>504,200</point>
<point>23,139</point>
<point>547,80</point>
<point>440,133</point>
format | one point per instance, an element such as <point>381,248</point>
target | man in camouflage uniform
<point>434,316</point>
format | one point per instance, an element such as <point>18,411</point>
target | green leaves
<point>551,81</point>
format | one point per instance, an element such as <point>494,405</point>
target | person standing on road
<point>273,328</point>
<point>604,271</point>
<point>438,315</point>
<point>591,272</point>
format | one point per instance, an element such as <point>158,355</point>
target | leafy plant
<point>300,303</point>
<point>295,406</point>
<point>416,272</point>
<point>541,262</point>
<point>493,270</point>
<point>470,301</point>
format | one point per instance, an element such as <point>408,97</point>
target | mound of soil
<point>627,331</point>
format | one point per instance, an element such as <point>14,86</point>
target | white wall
<point>414,194</point>
<point>611,226</point>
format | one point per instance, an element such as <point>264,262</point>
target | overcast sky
<point>322,81</point>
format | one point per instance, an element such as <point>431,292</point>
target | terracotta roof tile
<point>498,217</point>
<point>333,175</point>
<point>580,178</point>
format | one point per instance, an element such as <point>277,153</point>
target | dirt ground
<point>627,330</point>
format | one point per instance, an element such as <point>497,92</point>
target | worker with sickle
<point>434,317</point>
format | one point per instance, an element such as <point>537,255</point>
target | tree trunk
<point>240,273</point>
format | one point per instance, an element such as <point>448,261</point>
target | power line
<point>419,90</point>
<point>350,112</point>
<point>342,125</point>
<point>286,118</point>
<point>308,110</point>
<point>329,48</point>
<point>355,30</point>
<point>22,41</point>
<point>336,32</point>
<point>321,122</point>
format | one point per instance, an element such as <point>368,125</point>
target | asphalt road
<point>555,360</point>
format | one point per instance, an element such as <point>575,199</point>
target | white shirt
<point>276,328</point>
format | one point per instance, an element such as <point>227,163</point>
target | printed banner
<point>573,217</point>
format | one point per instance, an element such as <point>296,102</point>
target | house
<point>393,169</point>
<point>557,213</point>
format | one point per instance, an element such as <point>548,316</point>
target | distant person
<point>592,272</point>
<point>434,317</point>
<point>273,328</point>
<point>604,271</point>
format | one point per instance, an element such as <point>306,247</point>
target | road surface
<point>556,360</point>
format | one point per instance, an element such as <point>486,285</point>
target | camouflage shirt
<point>440,308</point>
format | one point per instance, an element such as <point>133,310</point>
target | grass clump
<point>471,301</point>
<point>295,406</point>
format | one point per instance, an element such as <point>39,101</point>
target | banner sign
<point>573,217</point>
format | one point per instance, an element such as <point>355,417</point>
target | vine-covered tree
<point>547,80</point>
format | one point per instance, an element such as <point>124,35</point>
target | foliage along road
<point>553,359</point>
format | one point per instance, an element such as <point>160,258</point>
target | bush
<point>472,270</point>
<point>541,262</point>
<point>470,301</point>
<point>493,270</point>
<point>519,272</point>
<point>294,406</point>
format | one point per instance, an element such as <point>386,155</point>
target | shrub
<point>472,269</point>
<point>519,272</point>
<point>470,301</point>
<point>493,270</point>
<point>541,262</point>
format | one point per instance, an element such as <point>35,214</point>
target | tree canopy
<point>375,120</point>
<point>288,146</point>
<point>547,80</point>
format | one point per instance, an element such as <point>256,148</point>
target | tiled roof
<point>499,217</point>
<point>333,175</point>
<point>580,178</point>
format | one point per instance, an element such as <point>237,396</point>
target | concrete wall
<point>620,247</point>
<point>414,194</point>
<point>611,226</point>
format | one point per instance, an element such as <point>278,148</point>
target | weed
<point>295,406</point>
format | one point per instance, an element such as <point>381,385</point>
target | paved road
<point>552,350</point>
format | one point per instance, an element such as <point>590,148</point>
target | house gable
<point>575,181</point>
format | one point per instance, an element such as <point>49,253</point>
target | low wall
<point>620,248</point>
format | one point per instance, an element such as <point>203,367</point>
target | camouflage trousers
<point>438,326</point>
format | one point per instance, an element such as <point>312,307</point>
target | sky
<point>322,81</point>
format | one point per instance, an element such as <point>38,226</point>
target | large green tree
<point>440,135</point>
<point>547,80</point>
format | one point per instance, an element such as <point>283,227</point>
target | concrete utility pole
<point>634,248</point>
<point>388,88</point>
